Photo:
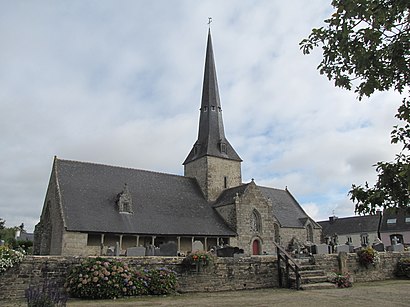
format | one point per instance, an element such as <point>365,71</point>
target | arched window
<point>276,233</point>
<point>256,223</point>
<point>309,233</point>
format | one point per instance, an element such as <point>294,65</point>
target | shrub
<point>403,267</point>
<point>46,296</point>
<point>9,258</point>
<point>368,256</point>
<point>340,280</point>
<point>161,281</point>
<point>104,278</point>
<point>197,258</point>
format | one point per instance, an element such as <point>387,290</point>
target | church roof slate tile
<point>162,203</point>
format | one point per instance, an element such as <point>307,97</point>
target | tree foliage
<point>366,47</point>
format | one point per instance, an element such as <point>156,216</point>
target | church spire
<point>211,135</point>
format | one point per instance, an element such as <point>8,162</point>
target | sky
<point>119,83</point>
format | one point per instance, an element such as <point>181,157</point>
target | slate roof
<point>211,131</point>
<point>350,225</point>
<point>400,215</point>
<point>162,203</point>
<point>284,206</point>
<point>286,209</point>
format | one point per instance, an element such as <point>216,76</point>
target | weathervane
<point>209,21</point>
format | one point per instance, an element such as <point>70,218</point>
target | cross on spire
<point>209,21</point>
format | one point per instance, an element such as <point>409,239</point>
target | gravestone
<point>117,249</point>
<point>343,248</point>
<point>321,249</point>
<point>168,249</point>
<point>157,251</point>
<point>111,251</point>
<point>227,251</point>
<point>398,247</point>
<point>136,251</point>
<point>379,247</point>
<point>1,242</point>
<point>150,250</point>
<point>197,246</point>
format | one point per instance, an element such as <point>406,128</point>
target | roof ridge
<point>123,167</point>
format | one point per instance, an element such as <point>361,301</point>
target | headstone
<point>150,250</point>
<point>379,247</point>
<point>226,251</point>
<point>321,249</point>
<point>398,247</point>
<point>136,251</point>
<point>117,249</point>
<point>395,240</point>
<point>168,249</point>
<point>197,246</point>
<point>111,251</point>
<point>2,242</point>
<point>343,248</point>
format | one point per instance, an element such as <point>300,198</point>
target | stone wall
<point>224,274</point>
<point>349,263</point>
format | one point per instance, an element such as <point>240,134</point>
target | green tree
<point>2,223</point>
<point>366,47</point>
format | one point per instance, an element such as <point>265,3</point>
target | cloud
<point>121,84</point>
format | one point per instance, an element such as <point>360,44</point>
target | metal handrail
<point>290,265</point>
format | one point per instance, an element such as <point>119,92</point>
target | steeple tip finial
<point>209,22</point>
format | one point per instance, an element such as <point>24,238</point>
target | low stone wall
<point>222,275</point>
<point>348,262</point>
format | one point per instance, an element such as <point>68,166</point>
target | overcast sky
<point>119,83</point>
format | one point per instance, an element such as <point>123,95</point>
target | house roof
<point>211,133</point>
<point>162,203</point>
<point>394,220</point>
<point>285,208</point>
<point>350,225</point>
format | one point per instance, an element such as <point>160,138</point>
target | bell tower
<point>212,160</point>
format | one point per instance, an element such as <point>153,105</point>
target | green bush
<point>403,267</point>
<point>105,278</point>
<point>161,281</point>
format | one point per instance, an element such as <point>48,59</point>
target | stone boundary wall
<point>348,263</point>
<point>223,274</point>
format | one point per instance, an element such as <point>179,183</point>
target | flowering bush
<point>340,280</point>
<point>46,295</point>
<point>161,281</point>
<point>198,257</point>
<point>368,256</point>
<point>9,257</point>
<point>105,278</point>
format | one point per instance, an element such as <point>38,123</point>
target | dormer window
<point>124,201</point>
<point>222,147</point>
<point>205,109</point>
<point>213,108</point>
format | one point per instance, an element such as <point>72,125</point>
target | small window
<point>364,238</point>
<point>225,182</point>
<point>391,221</point>
<point>407,220</point>
<point>349,239</point>
<point>213,108</point>
<point>205,109</point>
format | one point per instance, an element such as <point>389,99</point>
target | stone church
<point>89,207</point>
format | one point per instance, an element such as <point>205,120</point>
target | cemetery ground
<point>380,293</point>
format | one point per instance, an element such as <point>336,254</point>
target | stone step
<point>317,286</point>
<point>312,273</point>
<point>313,279</point>
<point>310,267</point>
